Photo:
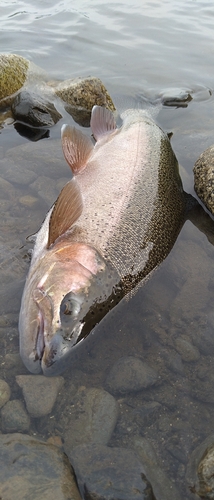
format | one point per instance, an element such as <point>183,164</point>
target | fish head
<point>59,306</point>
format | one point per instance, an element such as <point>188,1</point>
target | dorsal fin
<point>102,122</point>
<point>76,147</point>
<point>67,210</point>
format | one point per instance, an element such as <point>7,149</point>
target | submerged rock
<point>39,392</point>
<point>32,469</point>
<point>14,417</point>
<point>204,178</point>
<point>93,416</point>
<point>130,374</point>
<point>4,392</point>
<point>110,473</point>
<point>200,470</point>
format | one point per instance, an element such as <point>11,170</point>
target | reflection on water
<point>149,49</point>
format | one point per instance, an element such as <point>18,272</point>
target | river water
<point>140,50</point>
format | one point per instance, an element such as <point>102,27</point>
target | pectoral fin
<point>102,122</point>
<point>76,147</point>
<point>67,210</point>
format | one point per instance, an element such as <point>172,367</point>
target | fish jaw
<point>56,299</point>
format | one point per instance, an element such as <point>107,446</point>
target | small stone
<point>14,417</point>
<point>94,414</point>
<point>130,374</point>
<point>4,392</point>
<point>28,201</point>
<point>39,392</point>
<point>34,109</point>
<point>187,351</point>
<point>110,473</point>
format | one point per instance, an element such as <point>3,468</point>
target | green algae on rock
<point>204,178</point>
<point>13,73</point>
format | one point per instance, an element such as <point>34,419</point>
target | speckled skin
<point>13,73</point>
<point>204,178</point>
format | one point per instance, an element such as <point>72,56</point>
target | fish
<point>112,225</point>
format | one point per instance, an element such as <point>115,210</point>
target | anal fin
<point>67,210</point>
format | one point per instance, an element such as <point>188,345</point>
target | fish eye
<point>70,306</point>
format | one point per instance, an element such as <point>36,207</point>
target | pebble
<point>4,392</point>
<point>93,416</point>
<point>32,469</point>
<point>187,351</point>
<point>14,417</point>
<point>130,374</point>
<point>105,473</point>
<point>40,393</point>
<point>28,201</point>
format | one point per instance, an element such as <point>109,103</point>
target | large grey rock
<point>35,110</point>
<point>130,374</point>
<point>93,416</point>
<point>39,392</point>
<point>110,473</point>
<point>33,470</point>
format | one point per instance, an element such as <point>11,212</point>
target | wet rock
<point>81,94</point>
<point>162,487</point>
<point>130,374</point>
<point>34,109</point>
<point>4,392</point>
<point>32,469</point>
<point>110,473</point>
<point>14,172</point>
<point>187,351</point>
<point>94,414</point>
<point>14,417</point>
<point>204,178</point>
<point>13,73</point>
<point>200,469</point>
<point>39,393</point>
<point>203,390</point>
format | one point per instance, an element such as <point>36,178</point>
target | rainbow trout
<point>111,226</point>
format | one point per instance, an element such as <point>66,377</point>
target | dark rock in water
<point>33,109</point>
<point>204,178</point>
<point>32,469</point>
<point>130,374</point>
<point>105,473</point>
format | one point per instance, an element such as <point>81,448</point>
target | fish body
<point>111,226</point>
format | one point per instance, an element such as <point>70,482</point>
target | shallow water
<point>145,49</point>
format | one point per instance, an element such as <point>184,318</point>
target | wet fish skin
<point>111,226</point>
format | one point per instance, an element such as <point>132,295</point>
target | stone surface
<point>93,416</point>
<point>204,178</point>
<point>81,94</point>
<point>4,392</point>
<point>200,469</point>
<point>14,417</point>
<point>45,188</point>
<point>13,73</point>
<point>130,374</point>
<point>33,470</point>
<point>28,201</point>
<point>162,487</point>
<point>34,109</point>
<point>110,473</point>
<point>187,351</point>
<point>39,392</point>
<point>14,171</point>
